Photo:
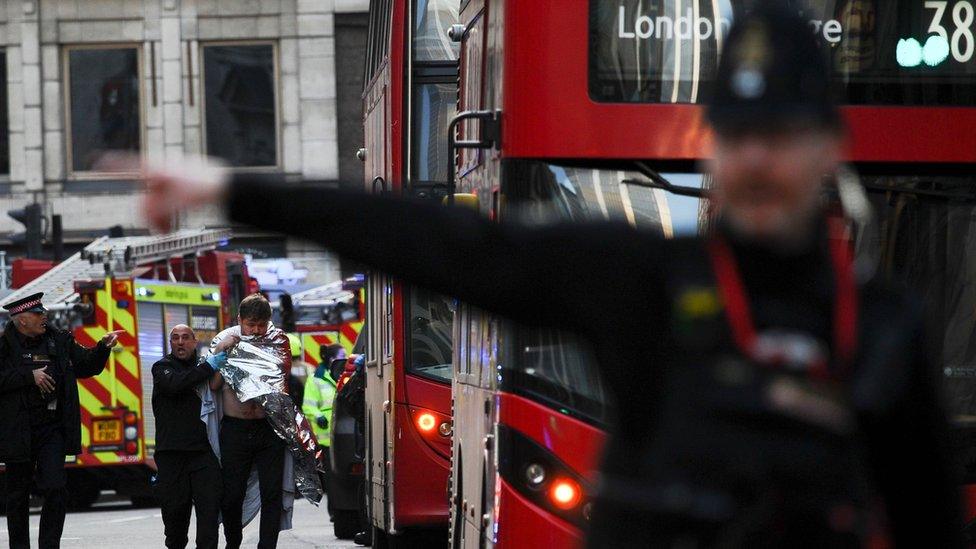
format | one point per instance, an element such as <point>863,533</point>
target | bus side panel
<point>378,392</point>
<point>420,477</point>
<point>520,523</point>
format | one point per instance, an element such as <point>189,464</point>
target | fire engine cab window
<point>432,19</point>
<point>240,99</point>
<point>431,329</point>
<point>434,106</point>
<point>882,52</point>
<point>104,104</point>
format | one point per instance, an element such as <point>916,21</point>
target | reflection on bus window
<point>551,366</point>
<point>882,52</point>
<point>549,193</point>
<point>434,106</point>
<point>925,237</point>
<point>431,324</point>
<point>432,19</point>
<point>556,368</point>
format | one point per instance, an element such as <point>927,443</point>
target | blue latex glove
<point>217,360</point>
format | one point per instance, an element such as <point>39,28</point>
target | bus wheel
<point>346,524</point>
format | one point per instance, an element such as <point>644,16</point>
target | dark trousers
<point>324,477</point>
<point>47,462</point>
<point>247,443</point>
<point>189,479</point>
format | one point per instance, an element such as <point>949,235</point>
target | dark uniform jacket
<point>17,380</point>
<point>176,404</point>
<point>679,423</point>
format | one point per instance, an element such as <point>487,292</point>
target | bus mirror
<point>464,200</point>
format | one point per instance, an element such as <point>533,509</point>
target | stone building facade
<point>252,81</point>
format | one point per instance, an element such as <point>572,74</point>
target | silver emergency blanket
<point>255,371</point>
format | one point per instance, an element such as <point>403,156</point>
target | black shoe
<point>364,538</point>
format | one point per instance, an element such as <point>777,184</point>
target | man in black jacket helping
<point>40,420</point>
<point>188,471</point>
<point>765,396</point>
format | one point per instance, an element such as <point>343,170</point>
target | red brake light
<point>565,494</point>
<point>131,447</point>
<point>426,422</point>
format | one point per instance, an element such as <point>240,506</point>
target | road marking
<point>131,519</point>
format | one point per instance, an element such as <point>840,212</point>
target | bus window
<point>891,52</point>
<point>553,367</point>
<point>549,193</point>
<point>925,232</point>
<point>434,105</point>
<point>432,20</point>
<point>557,369</point>
<point>431,324</point>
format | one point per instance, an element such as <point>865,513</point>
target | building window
<point>104,103</point>
<point>240,102</point>
<point>4,118</point>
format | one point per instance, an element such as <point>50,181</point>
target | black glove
<point>322,422</point>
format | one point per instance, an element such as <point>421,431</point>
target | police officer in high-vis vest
<point>317,406</point>
<point>40,421</point>
<point>765,395</point>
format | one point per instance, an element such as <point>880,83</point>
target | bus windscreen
<point>881,52</point>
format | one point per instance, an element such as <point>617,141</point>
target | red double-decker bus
<point>583,109</point>
<point>409,99</point>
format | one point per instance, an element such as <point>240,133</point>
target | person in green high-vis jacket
<point>317,407</point>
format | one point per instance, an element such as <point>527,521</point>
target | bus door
<point>380,398</point>
<point>473,458</point>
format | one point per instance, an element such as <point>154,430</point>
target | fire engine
<point>332,313</point>
<point>143,286</point>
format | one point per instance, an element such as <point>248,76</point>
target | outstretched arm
<point>90,362</point>
<point>556,276</point>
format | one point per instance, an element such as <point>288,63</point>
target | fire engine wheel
<point>346,524</point>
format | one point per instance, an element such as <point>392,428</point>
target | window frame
<point>420,73</point>
<point>88,175</point>
<point>377,39</point>
<point>202,94</point>
<point>5,176</point>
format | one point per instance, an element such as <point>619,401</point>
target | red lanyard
<point>845,306</point>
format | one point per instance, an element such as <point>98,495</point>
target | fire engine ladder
<point>124,254</point>
<point>327,294</point>
<point>106,256</point>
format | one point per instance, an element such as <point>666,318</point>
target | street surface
<point>117,524</point>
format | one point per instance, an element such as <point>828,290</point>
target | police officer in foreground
<point>188,472</point>
<point>39,414</point>
<point>765,396</point>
